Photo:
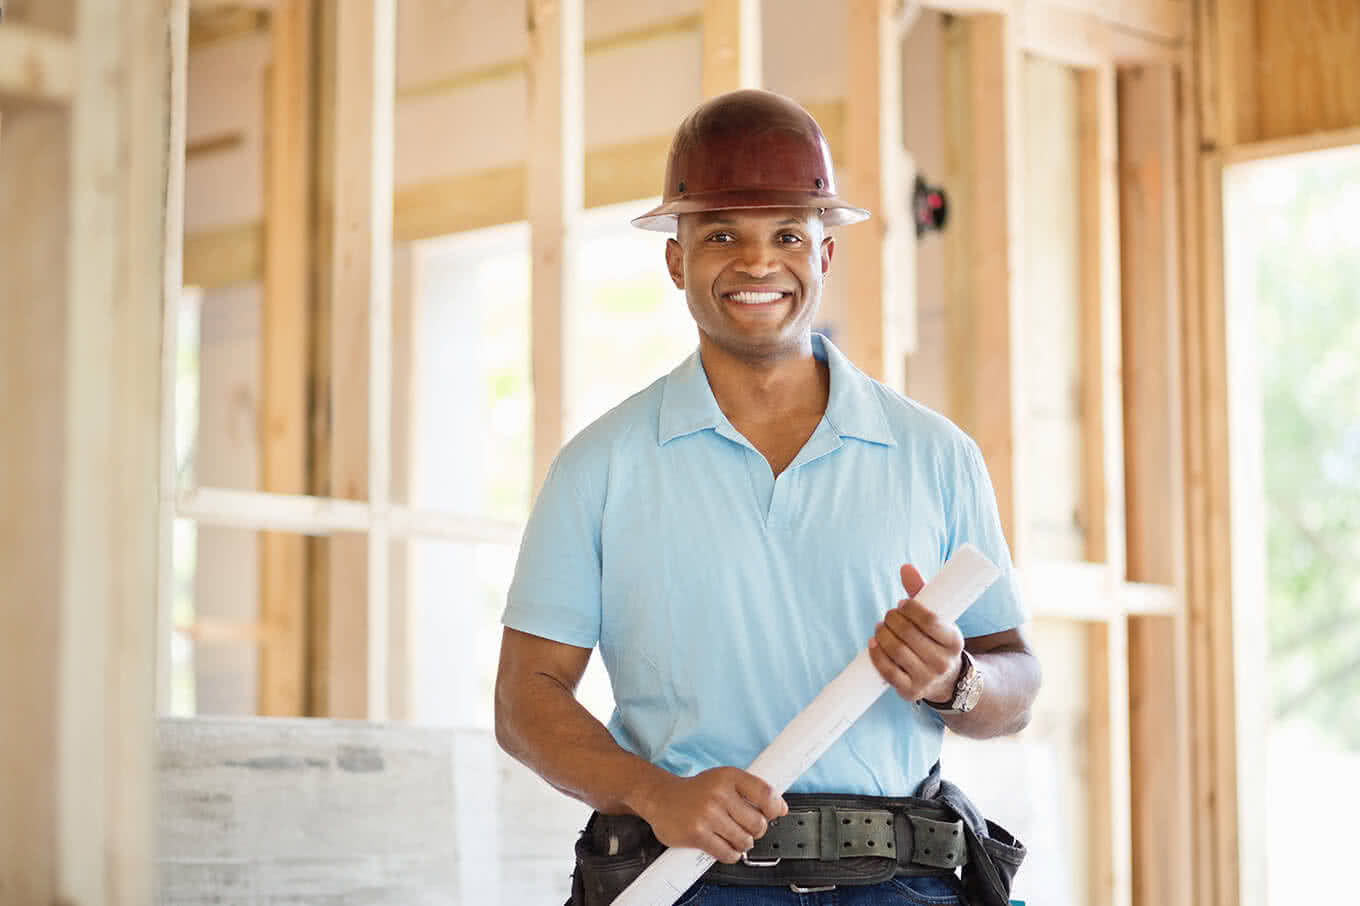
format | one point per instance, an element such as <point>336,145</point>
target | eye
<point>720,236</point>
<point>790,238</point>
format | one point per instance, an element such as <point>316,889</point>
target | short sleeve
<point>977,522</point>
<point>555,592</point>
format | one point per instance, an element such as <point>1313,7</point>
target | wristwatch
<point>967,690</point>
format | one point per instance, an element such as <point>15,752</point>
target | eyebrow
<point>728,221</point>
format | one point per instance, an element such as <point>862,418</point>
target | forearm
<point>542,725</point>
<point>1011,679</point>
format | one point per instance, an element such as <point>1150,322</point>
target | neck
<point>768,388</point>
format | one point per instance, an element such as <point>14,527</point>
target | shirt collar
<point>853,408</point>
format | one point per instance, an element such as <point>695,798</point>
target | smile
<point>750,298</point>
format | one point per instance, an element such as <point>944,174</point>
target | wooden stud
<point>347,169</point>
<point>1110,867</point>
<point>555,179</point>
<point>1154,498</point>
<point>104,657</point>
<point>382,101</point>
<point>731,42</point>
<point>982,258</point>
<point>285,355</point>
<point>35,220</point>
<point>407,310</point>
<point>879,256</point>
<point>173,292</point>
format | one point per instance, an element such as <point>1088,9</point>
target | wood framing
<point>1110,868</point>
<point>36,65</point>
<point>982,257</point>
<point>83,207</point>
<point>354,274</point>
<point>285,355</point>
<point>878,256</point>
<point>555,179</point>
<point>731,42</point>
<point>35,218</point>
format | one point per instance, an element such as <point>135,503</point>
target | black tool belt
<point>826,840</point>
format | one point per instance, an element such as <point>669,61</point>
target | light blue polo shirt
<point>724,599</point>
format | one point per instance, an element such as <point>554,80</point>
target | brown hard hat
<point>749,149</point>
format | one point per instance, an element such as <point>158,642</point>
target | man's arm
<point>540,723</point>
<point>919,656</point>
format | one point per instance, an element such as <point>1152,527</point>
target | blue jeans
<point>899,891</point>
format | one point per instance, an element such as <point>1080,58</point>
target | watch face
<point>970,697</point>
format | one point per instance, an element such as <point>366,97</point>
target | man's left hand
<point>916,653</point>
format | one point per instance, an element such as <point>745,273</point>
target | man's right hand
<point>721,811</point>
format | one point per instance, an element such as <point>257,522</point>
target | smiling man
<point>730,538</point>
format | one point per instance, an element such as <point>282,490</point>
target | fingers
<point>914,651</point>
<point>911,580</point>
<point>924,620</point>
<point>761,795</point>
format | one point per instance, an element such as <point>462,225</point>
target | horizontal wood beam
<point>223,257</point>
<point>614,174</point>
<point>324,516</point>
<point>1080,37</point>
<point>36,65</point>
<point>218,5</point>
<point>1150,21</point>
<point>214,144</point>
<point>1090,592</point>
<point>679,25</point>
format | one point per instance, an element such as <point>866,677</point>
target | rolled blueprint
<point>956,586</point>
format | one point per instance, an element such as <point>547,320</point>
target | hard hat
<point>749,149</point>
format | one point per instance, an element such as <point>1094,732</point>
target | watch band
<point>967,688</point>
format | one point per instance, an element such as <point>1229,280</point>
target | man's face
<point>752,278</point>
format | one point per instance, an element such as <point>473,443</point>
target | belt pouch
<point>610,854</point>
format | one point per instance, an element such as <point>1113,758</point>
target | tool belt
<point>826,840</point>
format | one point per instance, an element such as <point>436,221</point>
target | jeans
<point>899,891</point>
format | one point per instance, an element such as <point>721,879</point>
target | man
<point>731,537</point>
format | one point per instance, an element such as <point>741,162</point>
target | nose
<point>757,260</point>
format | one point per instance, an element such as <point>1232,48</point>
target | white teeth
<point>755,298</point>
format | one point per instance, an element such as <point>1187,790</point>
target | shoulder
<point>922,430</point>
<point>622,433</point>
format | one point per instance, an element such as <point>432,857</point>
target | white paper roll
<point>798,746</point>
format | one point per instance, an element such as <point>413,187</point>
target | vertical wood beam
<point>103,649</point>
<point>982,255</point>
<point>173,292</point>
<point>382,101</point>
<point>285,353</point>
<point>731,39</point>
<point>407,309</point>
<point>35,218</point>
<point>1150,276</point>
<point>880,255</point>
<point>556,186</point>
<point>1110,870</point>
<point>354,204</point>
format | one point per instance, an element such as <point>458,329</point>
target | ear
<point>675,263</point>
<point>828,249</point>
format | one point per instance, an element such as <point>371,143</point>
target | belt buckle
<point>796,889</point>
<point>759,863</point>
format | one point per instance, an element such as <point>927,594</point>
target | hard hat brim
<point>664,217</point>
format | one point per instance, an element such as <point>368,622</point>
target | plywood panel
<point>1309,66</point>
